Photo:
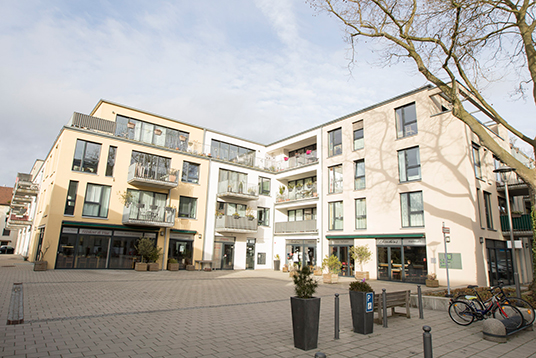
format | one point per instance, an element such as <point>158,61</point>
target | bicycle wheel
<point>511,317</point>
<point>524,307</point>
<point>461,313</point>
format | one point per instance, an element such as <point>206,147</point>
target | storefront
<point>98,248</point>
<point>402,259</point>
<point>340,248</point>
<point>181,248</point>
<point>301,251</point>
<point>223,257</point>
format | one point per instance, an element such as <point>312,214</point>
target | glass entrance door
<point>396,263</point>
<point>383,263</point>
<point>343,254</point>
<point>250,254</point>
<point>227,258</point>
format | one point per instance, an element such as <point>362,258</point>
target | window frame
<point>333,218</point>
<point>263,216</point>
<point>404,167</point>
<point>359,130</point>
<point>262,181</point>
<point>335,186</point>
<point>488,210</point>
<point>83,160</point>
<point>110,162</point>
<point>360,217</point>
<point>192,200</point>
<point>100,203</point>
<point>334,148</point>
<point>189,179</point>
<point>359,178</point>
<point>402,123</point>
<point>477,162</point>
<point>73,185</point>
<point>406,197</point>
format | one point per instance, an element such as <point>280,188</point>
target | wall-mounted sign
<point>183,237</point>
<point>69,230</point>
<point>341,242</point>
<point>128,233</point>
<point>455,261</point>
<point>96,232</point>
<point>388,242</point>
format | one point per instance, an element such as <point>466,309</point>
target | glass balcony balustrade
<point>153,176</point>
<point>152,215</point>
<point>235,223</point>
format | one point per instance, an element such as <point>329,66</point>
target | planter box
<point>153,266</point>
<point>432,283</point>
<point>361,319</point>
<point>277,263</point>
<point>173,267</point>
<point>140,266</point>
<point>285,269</point>
<point>190,268</point>
<point>330,278</point>
<point>318,272</point>
<point>305,321</point>
<point>40,266</point>
<point>360,275</point>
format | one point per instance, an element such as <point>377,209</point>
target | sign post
<point>446,230</point>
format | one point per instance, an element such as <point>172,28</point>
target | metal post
<point>514,260</point>
<point>384,307</point>
<point>427,342</point>
<point>336,316</point>
<point>320,355</point>
<point>446,261</point>
<point>419,299</point>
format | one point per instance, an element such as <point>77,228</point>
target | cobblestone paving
<point>85,313</point>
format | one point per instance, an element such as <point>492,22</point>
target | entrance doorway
<point>402,260</point>
<point>499,262</point>
<point>301,252</point>
<point>223,257</point>
<point>250,254</point>
<point>343,254</point>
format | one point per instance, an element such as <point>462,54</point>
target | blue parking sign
<point>370,302</point>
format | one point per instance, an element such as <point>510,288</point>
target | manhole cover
<point>9,266</point>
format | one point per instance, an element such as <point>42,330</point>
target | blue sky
<point>261,70</point>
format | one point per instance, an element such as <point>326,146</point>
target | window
<point>409,164</point>
<point>147,205</point>
<point>479,208</point>
<point>6,232</point>
<point>232,152</point>
<point>96,201</point>
<point>150,166</point>
<point>476,161</point>
<point>335,179</point>
<point>406,121</point>
<point>302,214</point>
<point>232,182</point>
<point>309,150</point>
<point>359,141</point>
<point>111,161</point>
<point>335,215</point>
<point>412,209</point>
<point>86,156</point>
<point>187,207</point>
<point>263,215</point>
<point>487,204</point>
<point>360,213</point>
<point>359,180</point>
<point>264,186</point>
<point>71,198</point>
<point>190,172</point>
<point>335,142</point>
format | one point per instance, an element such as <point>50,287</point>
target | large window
<point>231,152</point>
<point>150,166</point>
<point>190,172</point>
<point>360,213</point>
<point>335,216</point>
<point>409,164</point>
<point>479,208</point>
<point>335,142</point>
<point>476,161</point>
<point>147,205</point>
<point>412,209</point>
<point>110,163</point>
<point>406,121</point>
<point>230,181</point>
<point>71,198</point>
<point>335,179</point>
<point>264,186</point>
<point>149,133</point>
<point>302,214</point>
<point>487,204</point>
<point>96,201</point>
<point>86,156</point>
<point>359,141</point>
<point>187,207</point>
<point>263,215</point>
<point>359,175</point>
<point>229,209</point>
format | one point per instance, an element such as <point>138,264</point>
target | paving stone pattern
<point>112,313</point>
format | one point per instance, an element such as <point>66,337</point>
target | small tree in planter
<point>277,262</point>
<point>172,264</point>
<point>148,252</point>
<point>361,255</point>
<point>361,319</point>
<point>305,310</point>
<point>331,267</point>
<point>431,280</point>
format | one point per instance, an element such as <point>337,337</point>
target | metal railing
<point>140,171</point>
<point>231,222</point>
<point>305,192</point>
<point>153,215</point>
<point>228,187</point>
<point>289,227</point>
<point>520,223</point>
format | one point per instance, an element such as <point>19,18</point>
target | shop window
<point>335,215</point>
<point>190,172</point>
<point>335,142</point>
<point>359,178</point>
<point>71,198</point>
<point>335,179</point>
<point>86,156</point>
<point>489,216</point>
<point>187,207</point>
<point>264,186</point>
<point>110,163</point>
<point>412,209</point>
<point>360,213</point>
<point>409,164</point>
<point>359,140</point>
<point>96,201</point>
<point>263,215</point>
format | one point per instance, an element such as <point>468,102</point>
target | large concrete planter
<point>40,266</point>
<point>361,319</point>
<point>330,278</point>
<point>305,322</point>
<point>277,263</point>
<point>360,275</point>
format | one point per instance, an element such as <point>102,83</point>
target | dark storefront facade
<point>402,259</point>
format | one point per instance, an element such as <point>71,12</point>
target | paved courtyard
<point>108,313</point>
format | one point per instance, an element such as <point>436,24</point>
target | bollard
<point>336,316</point>
<point>427,342</point>
<point>419,299</point>
<point>384,307</point>
<point>320,355</point>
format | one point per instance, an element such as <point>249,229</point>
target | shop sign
<point>224,239</point>
<point>128,233</point>
<point>69,230</point>
<point>96,232</point>
<point>455,261</point>
<point>183,237</point>
<point>341,242</point>
<point>414,242</point>
<point>388,242</point>
<point>152,235</point>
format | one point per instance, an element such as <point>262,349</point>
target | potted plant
<point>240,187</point>
<point>299,186</point>
<point>236,215</point>
<point>361,255</point>
<point>285,268</point>
<point>149,254</point>
<point>282,191</point>
<point>362,306</point>
<point>290,186</point>
<point>277,262</point>
<point>40,264</point>
<point>309,183</point>
<point>125,197</point>
<point>305,310</point>
<point>173,264</point>
<point>317,271</point>
<point>219,213</point>
<point>331,266</point>
<point>431,280</point>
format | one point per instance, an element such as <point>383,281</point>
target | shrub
<point>304,284</point>
<point>360,286</point>
<point>147,250</point>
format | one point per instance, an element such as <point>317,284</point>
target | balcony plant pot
<point>305,322</point>
<point>277,263</point>
<point>362,321</point>
<point>153,266</point>
<point>317,271</point>
<point>173,266</point>
<point>362,275</point>
<point>40,265</point>
<point>140,266</point>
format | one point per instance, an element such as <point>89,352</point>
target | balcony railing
<point>520,223</point>
<point>154,215</point>
<point>19,220</point>
<point>230,223</point>
<point>139,174</point>
<point>238,190</point>
<point>305,192</point>
<point>294,227</point>
<point>295,162</point>
<point>24,186</point>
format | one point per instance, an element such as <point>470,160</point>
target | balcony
<point>24,186</point>
<point>238,190</point>
<point>139,215</point>
<point>522,224</point>
<point>296,227</point>
<point>141,175</point>
<point>14,221</point>
<point>295,162</point>
<point>230,223</point>
<point>303,193</point>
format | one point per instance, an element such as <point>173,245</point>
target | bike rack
<point>497,330</point>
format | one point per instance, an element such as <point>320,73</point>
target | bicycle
<point>464,313</point>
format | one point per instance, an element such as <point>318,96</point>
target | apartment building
<point>396,176</point>
<point>8,236</point>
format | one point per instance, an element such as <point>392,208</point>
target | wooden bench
<point>393,299</point>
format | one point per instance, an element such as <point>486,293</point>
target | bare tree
<point>456,45</point>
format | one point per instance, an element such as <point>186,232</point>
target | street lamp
<point>503,171</point>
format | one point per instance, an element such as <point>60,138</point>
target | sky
<point>260,70</point>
